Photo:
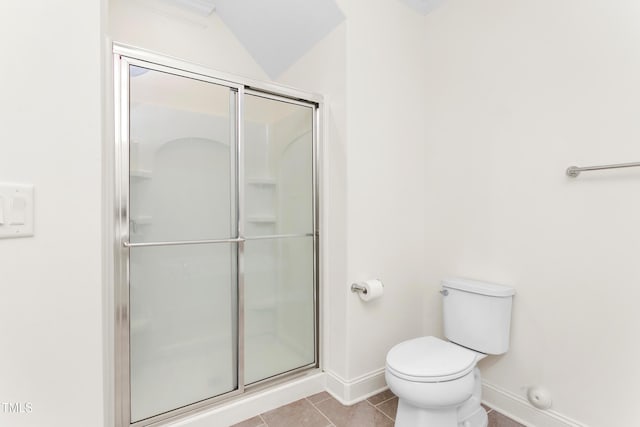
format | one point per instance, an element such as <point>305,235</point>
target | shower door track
<point>123,56</point>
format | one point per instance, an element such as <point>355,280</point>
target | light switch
<point>16,210</point>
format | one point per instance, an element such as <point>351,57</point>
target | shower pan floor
<point>276,356</point>
<point>178,378</point>
<point>204,369</point>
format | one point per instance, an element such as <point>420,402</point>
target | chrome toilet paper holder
<point>356,287</point>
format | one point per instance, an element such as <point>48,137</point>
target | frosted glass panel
<point>183,317</point>
<point>183,299</point>
<point>279,315</point>
<point>183,295</point>
<point>181,174</point>
<point>278,164</point>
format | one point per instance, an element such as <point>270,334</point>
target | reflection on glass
<point>278,167</point>
<point>182,308</point>
<point>181,154</point>
<point>279,298</point>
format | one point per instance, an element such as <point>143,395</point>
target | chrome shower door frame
<point>123,57</point>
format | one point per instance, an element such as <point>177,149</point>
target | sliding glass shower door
<point>279,223</point>
<point>217,247</point>
<point>182,191</point>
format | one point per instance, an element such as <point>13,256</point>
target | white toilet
<point>436,381</point>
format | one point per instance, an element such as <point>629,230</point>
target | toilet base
<point>469,414</point>
<point>410,416</point>
<point>478,418</point>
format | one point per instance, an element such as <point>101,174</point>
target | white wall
<point>50,133</point>
<point>516,92</point>
<point>385,176</point>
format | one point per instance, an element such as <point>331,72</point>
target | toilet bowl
<point>432,379</point>
<point>437,381</point>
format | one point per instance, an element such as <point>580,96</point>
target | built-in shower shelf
<point>262,219</point>
<point>140,174</point>
<point>261,181</point>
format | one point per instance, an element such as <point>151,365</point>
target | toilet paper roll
<point>374,289</point>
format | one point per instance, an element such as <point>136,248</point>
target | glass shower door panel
<point>278,167</point>
<point>279,306</point>
<point>182,298</point>
<point>181,158</point>
<point>279,251</point>
<point>182,336</point>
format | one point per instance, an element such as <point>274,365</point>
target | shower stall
<point>216,236</point>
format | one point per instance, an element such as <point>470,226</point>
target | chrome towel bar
<point>574,171</point>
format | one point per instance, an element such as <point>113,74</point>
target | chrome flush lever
<point>444,292</point>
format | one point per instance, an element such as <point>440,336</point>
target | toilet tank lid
<point>478,287</point>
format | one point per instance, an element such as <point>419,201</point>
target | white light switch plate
<point>16,210</point>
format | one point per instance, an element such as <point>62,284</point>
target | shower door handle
<point>127,244</point>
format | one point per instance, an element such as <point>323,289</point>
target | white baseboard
<point>353,391</point>
<point>257,403</point>
<point>520,410</point>
<point>349,392</point>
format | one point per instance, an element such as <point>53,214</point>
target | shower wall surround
<point>217,252</point>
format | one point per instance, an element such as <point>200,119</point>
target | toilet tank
<point>477,314</point>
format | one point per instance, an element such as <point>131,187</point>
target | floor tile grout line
<point>319,401</point>
<point>263,420</point>
<point>318,409</point>
<point>381,411</point>
<point>384,401</point>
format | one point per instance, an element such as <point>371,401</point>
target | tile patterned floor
<point>322,410</point>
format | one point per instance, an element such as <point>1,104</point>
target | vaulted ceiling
<point>279,32</point>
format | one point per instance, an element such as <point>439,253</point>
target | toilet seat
<point>430,359</point>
